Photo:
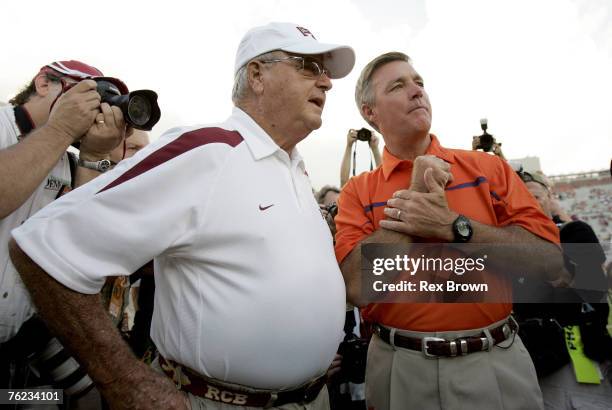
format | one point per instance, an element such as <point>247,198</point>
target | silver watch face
<point>463,228</point>
<point>104,165</point>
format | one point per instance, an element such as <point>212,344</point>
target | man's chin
<point>314,123</point>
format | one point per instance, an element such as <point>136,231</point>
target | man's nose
<point>415,91</point>
<point>324,82</point>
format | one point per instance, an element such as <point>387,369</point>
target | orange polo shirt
<point>485,189</point>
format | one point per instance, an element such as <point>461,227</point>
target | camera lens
<point>139,110</point>
<point>364,134</point>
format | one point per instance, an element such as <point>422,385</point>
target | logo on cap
<point>306,32</point>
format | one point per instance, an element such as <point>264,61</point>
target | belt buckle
<point>424,345</point>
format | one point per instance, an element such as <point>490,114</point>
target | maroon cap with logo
<point>78,71</point>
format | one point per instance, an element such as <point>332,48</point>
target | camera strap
<point>23,120</point>
<point>355,159</point>
<point>349,322</point>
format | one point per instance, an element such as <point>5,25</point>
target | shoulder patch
<point>186,142</point>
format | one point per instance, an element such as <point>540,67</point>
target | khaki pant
<point>201,403</point>
<point>403,379</point>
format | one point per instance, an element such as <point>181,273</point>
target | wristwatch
<point>462,229</point>
<point>101,166</point>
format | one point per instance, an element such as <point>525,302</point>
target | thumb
<point>433,186</point>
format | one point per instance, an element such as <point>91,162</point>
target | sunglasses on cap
<point>529,177</point>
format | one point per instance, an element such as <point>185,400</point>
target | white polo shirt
<point>247,286</point>
<point>15,304</point>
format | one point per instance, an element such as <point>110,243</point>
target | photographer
<point>346,376</point>
<point>35,169</point>
<point>351,138</point>
<point>487,142</point>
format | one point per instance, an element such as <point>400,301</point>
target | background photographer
<point>35,169</point>
<point>486,141</point>
<point>353,136</point>
<point>346,373</point>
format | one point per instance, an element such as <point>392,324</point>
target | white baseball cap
<point>293,39</point>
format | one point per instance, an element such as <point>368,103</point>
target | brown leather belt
<point>198,385</point>
<point>437,347</point>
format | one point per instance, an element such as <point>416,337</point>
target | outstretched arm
<point>345,165</point>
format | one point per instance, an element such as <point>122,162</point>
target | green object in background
<point>585,369</point>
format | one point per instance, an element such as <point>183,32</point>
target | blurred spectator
<point>326,198</point>
<point>546,328</point>
<point>129,300</point>
<point>345,165</point>
<point>344,394</point>
<point>328,195</point>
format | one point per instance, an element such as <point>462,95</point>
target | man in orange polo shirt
<point>475,358</point>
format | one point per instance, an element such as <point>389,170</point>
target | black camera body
<point>486,140</point>
<point>364,134</point>
<point>332,209</point>
<point>354,351</point>
<point>139,108</point>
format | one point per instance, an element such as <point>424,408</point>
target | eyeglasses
<point>309,67</point>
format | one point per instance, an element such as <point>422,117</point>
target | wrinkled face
<point>134,143</point>
<point>542,195</point>
<point>293,100</point>
<point>401,106</point>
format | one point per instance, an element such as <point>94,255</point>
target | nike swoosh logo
<point>263,208</point>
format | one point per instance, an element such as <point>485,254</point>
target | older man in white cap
<point>250,302</point>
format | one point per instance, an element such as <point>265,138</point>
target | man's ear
<point>255,77</point>
<point>42,85</point>
<point>369,113</point>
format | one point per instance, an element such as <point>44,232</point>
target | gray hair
<point>364,94</point>
<point>241,82</point>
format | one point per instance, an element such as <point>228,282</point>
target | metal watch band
<point>101,166</point>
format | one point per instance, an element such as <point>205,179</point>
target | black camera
<point>354,351</point>
<point>486,140</point>
<point>332,209</point>
<point>364,134</point>
<point>139,108</point>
